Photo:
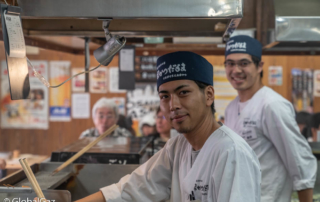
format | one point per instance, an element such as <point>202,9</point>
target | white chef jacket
<point>268,125</point>
<point>225,170</point>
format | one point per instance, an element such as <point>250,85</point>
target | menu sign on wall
<point>146,68</point>
<point>302,89</point>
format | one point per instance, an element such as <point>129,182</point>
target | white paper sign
<point>114,80</point>
<point>275,75</point>
<point>81,105</point>
<point>60,98</point>
<point>98,80</point>
<point>316,83</point>
<point>16,39</point>
<point>127,60</point>
<point>78,82</point>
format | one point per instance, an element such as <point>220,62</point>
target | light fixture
<point>105,53</point>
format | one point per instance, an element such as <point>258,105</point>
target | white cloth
<point>268,125</point>
<point>93,132</point>
<point>194,155</point>
<point>242,105</point>
<point>226,170</point>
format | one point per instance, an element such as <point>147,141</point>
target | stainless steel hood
<point>296,26</point>
<point>131,17</point>
<point>297,20</point>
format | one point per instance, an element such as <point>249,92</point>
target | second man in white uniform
<point>266,121</point>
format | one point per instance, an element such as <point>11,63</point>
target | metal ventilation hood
<point>297,25</point>
<point>297,20</point>
<point>136,18</point>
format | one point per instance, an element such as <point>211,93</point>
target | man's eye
<point>231,64</point>
<point>163,97</point>
<point>244,64</point>
<point>183,92</point>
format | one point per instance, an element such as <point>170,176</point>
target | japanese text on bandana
<point>237,46</point>
<point>176,68</point>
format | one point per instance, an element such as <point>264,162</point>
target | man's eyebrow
<point>243,59</point>
<point>175,90</point>
<point>179,87</point>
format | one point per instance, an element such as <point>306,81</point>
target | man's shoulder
<point>274,101</point>
<point>271,97</point>
<point>177,143</point>
<point>227,140</point>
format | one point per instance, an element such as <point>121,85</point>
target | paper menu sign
<point>275,75</point>
<point>81,105</point>
<point>98,80</point>
<point>17,47</point>
<point>316,83</point>
<point>127,60</point>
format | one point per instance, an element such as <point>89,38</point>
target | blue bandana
<point>183,65</point>
<point>244,44</point>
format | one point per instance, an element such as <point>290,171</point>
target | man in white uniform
<point>208,162</point>
<point>266,121</point>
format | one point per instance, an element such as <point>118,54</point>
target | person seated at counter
<point>126,122</point>
<point>303,120</point>
<point>2,166</point>
<point>163,126</point>
<point>207,162</point>
<point>315,127</point>
<point>147,124</point>
<point>104,115</point>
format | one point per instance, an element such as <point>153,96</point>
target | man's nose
<point>174,103</point>
<point>237,69</point>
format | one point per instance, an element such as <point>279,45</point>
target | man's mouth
<point>238,79</point>
<point>179,118</point>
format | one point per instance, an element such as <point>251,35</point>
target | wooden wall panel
<point>61,134</point>
<point>277,61</point>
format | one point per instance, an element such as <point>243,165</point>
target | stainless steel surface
<point>18,79</point>
<point>297,20</point>
<point>297,7</point>
<point>125,27</point>
<point>132,9</point>
<point>130,18</point>
<point>15,189</point>
<point>86,179</point>
<point>46,180</point>
<point>92,177</point>
<point>18,195</point>
<point>300,28</point>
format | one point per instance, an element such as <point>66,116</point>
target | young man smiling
<point>208,162</point>
<point>267,122</point>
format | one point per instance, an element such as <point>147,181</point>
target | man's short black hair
<point>303,118</point>
<point>202,86</point>
<point>256,62</point>
<point>315,120</point>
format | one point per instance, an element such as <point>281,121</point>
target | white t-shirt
<point>268,125</point>
<point>225,170</point>
<point>241,106</point>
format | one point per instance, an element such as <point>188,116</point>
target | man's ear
<point>209,93</point>
<point>260,67</point>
